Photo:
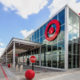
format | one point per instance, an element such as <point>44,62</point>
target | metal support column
<point>66,38</point>
<point>13,54</point>
<point>6,58</point>
<point>23,59</point>
<point>44,55</point>
<point>40,57</point>
<point>79,42</point>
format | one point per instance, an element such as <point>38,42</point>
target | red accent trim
<point>4,72</point>
<point>57,23</point>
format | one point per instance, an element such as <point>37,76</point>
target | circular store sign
<point>33,59</point>
<point>51,30</point>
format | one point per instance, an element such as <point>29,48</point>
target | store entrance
<point>73,55</point>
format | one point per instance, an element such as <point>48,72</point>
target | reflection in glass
<point>73,46</point>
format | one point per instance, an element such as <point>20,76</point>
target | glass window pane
<point>37,34</point>
<point>73,19</point>
<point>62,17</point>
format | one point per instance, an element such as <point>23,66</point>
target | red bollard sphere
<point>9,66</point>
<point>29,74</point>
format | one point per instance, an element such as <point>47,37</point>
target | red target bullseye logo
<point>51,30</point>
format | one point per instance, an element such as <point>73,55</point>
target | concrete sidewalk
<point>44,74</point>
<point>66,76</point>
<point>1,75</point>
<point>5,74</point>
<point>40,74</point>
<point>11,75</point>
<point>54,75</point>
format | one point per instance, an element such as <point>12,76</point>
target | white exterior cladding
<point>66,36</point>
<point>14,54</point>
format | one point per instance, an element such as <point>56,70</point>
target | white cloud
<point>26,33</point>
<point>56,5</point>
<point>5,9</point>
<point>1,44</point>
<point>1,51</point>
<point>24,7</point>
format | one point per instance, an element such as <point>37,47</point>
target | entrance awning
<point>20,46</point>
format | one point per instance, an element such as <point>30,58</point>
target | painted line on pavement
<point>5,75</point>
<point>11,74</point>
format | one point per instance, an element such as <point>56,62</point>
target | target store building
<point>55,44</point>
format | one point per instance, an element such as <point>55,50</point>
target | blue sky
<point>11,24</point>
<point>15,22</point>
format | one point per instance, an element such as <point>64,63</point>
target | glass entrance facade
<point>53,52</point>
<point>73,47</point>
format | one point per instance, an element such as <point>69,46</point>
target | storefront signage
<point>51,30</point>
<point>33,59</point>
